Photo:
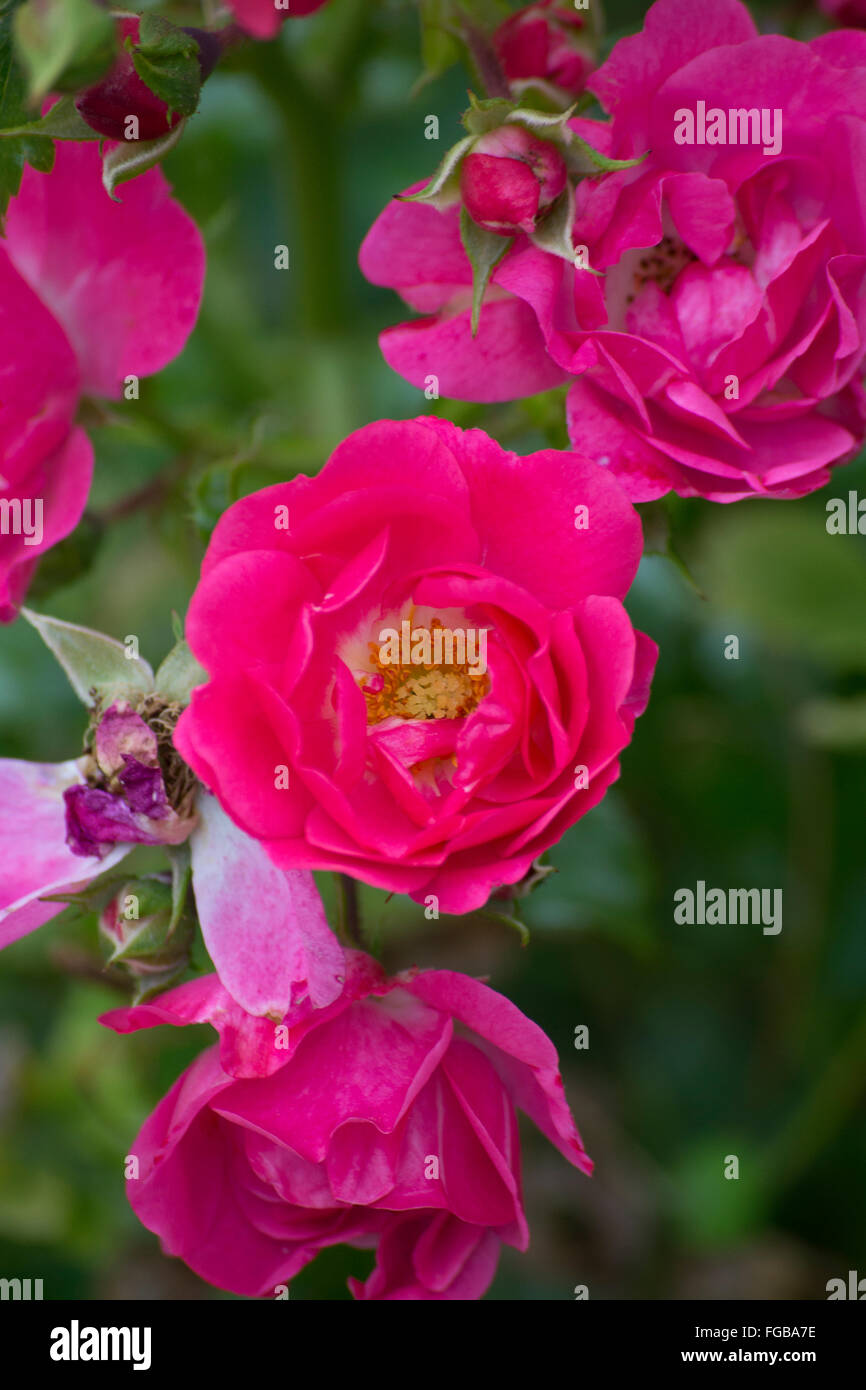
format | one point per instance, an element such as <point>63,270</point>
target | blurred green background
<point>703,1041</point>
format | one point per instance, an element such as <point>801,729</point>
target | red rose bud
<point>510,178</point>
<point>108,105</point>
<point>545,42</point>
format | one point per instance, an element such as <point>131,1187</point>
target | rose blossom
<point>387,1120</point>
<point>64,824</point>
<point>417,773</point>
<point>727,356</point>
<point>91,291</point>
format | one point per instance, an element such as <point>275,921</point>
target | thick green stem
<point>311,166</point>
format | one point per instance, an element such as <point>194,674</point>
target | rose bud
<point>108,104</point>
<point>542,43</point>
<point>510,178</point>
<point>139,932</point>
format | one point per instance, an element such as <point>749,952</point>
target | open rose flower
<point>386,1120</point>
<point>91,291</point>
<point>727,357</point>
<point>421,669</point>
<point>544,43</point>
<point>733,357</point>
<point>62,825</point>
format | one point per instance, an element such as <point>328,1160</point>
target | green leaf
<point>16,151</point>
<point>443,188</point>
<point>92,661</point>
<point>181,878</point>
<point>133,157</point>
<point>439,49</point>
<point>178,674</point>
<point>62,122</point>
<point>63,45</point>
<point>167,61</point>
<point>485,250</point>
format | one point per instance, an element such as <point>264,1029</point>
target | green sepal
<point>132,157</point>
<point>179,674</point>
<point>167,61</point>
<point>95,665</point>
<point>444,187</point>
<point>63,45</point>
<point>485,250</point>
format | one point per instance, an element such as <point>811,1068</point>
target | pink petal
<point>124,279</point>
<point>36,860</point>
<point>265,929</point>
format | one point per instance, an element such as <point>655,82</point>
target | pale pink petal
<point>264,928</point>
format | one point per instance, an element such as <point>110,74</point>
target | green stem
<point>313,202</point>
<point>349,912</point>
<point>813,1125</point>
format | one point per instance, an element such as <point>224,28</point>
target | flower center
<point>425,672</point>
<point>661,266</point>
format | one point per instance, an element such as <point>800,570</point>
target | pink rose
<point>91,291</point>
<point>720,350</point>
<point>420,769</point>
<point>543,42</point>
<point>734,349</point>
<point>509,179</point>
<point>386,1120</point>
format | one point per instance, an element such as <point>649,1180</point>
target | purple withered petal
<point>144,788</point>
<point>122,732</point>
<point>96,819</point>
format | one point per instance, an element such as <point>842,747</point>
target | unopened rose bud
<point>108,105</point>
<point>545,42</point>
<point>510,178</point>
<point>136,927</point>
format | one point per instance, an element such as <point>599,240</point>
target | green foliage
<point>166,60</point>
